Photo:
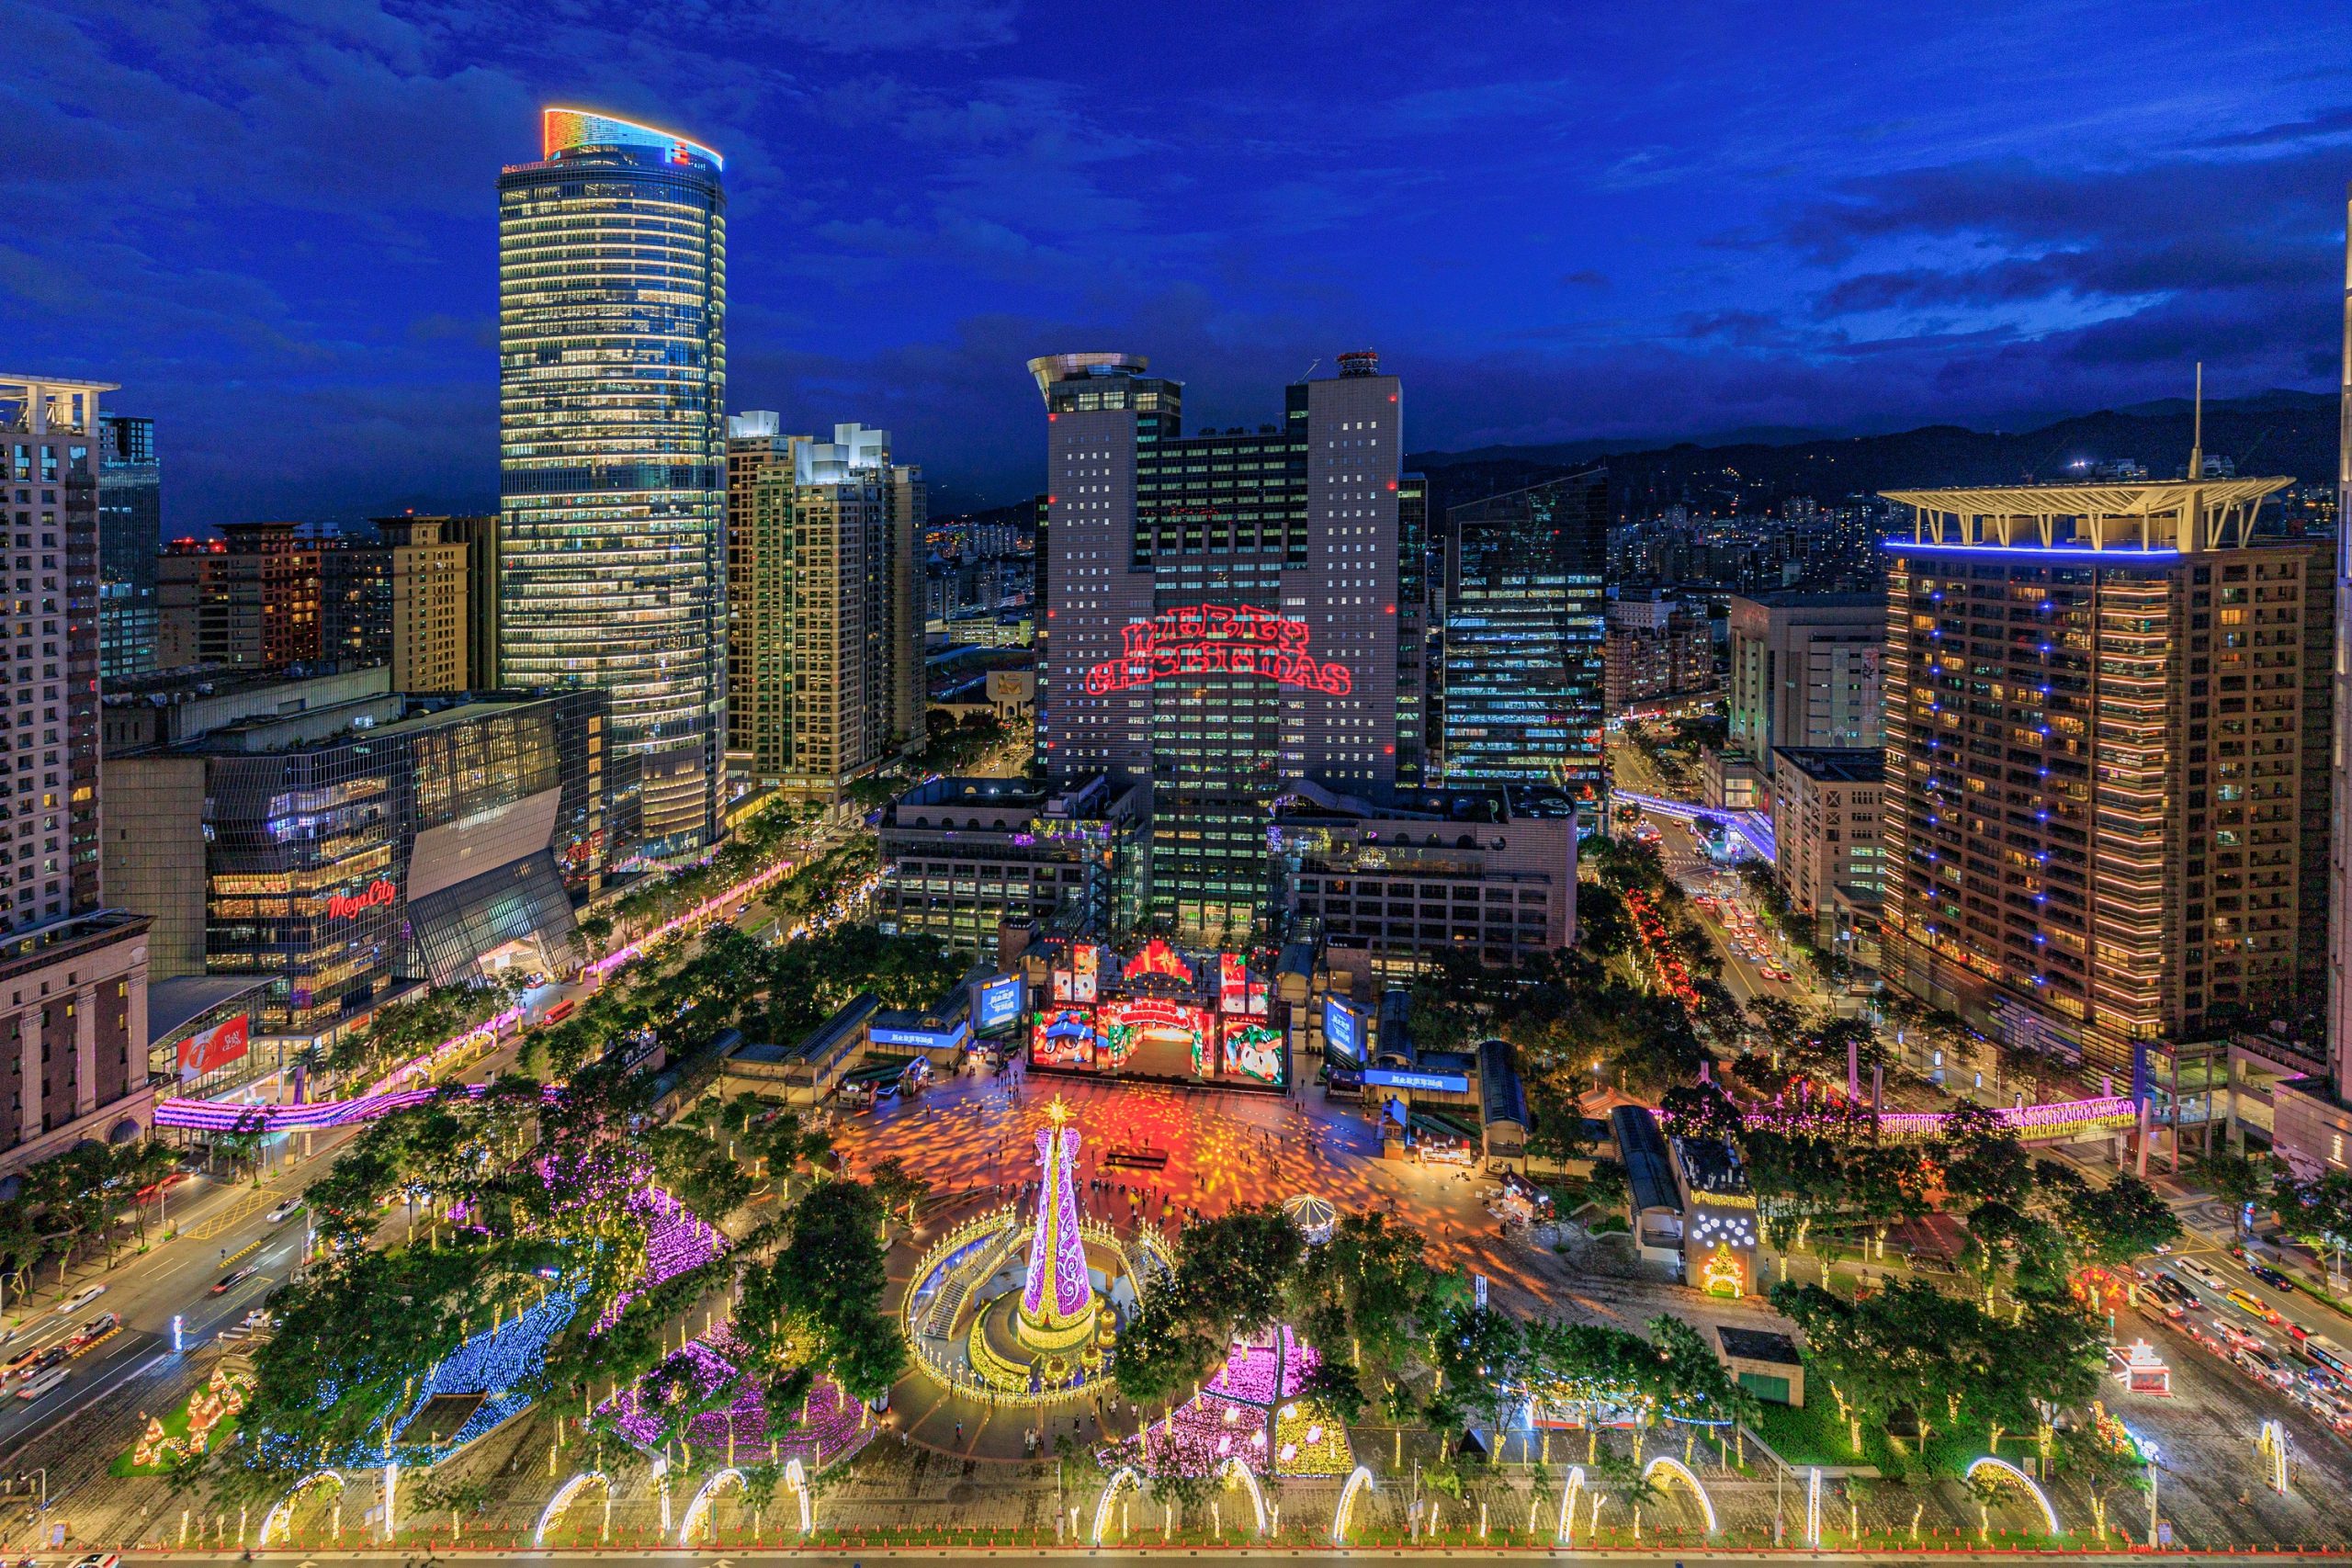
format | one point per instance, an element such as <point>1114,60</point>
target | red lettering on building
<point>1199,640</point>
<point>343,905</point>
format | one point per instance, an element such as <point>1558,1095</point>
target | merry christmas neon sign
<point>1201,639</point>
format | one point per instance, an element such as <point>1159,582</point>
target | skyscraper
<point>825,667</point>
<point>72,975</point>
<point>1805,671</point>
<point>2106,750</point>
<point>251,599</point>
<point>612,391</point>
<point>1223,613</point>
<point>131,530</point>
<point>1525,621</point>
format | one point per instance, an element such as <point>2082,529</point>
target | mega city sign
<point>1199,640</point>
<point>343,905</point>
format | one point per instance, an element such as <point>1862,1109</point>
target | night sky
<point>275,224</point>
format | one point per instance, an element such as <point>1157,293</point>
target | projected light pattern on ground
<point>676,1241</point>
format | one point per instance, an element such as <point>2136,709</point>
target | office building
<point>1488,873</point>
<point>1222,614</point>
<point>1804,672</point>
<point>1826,845</point>
<point>1421,607</point>
<point>72,972</point>
<point>2107,761</point>
<point>479,538</point>
<point>1525,621</point>
<point>825,677</point>
<point>2313,1129</point>
<point>250,600</point>
<point>131,530</point>
<point>1657,650</point>
<point>961,856</point>
<point>427,571</point>
<point>346,842</point>
<point>612,392</point>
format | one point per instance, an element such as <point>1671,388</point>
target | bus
<point>2325,1352</point>
<point>557,1013</point>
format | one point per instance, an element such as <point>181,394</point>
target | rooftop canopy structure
<point>2161,518</point>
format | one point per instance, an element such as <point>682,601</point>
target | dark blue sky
<point>273,222</point>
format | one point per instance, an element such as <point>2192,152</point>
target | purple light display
<point>834,1429</point>
<point>1056,1253</point>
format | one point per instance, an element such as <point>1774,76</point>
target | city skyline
<point>1764,237</point>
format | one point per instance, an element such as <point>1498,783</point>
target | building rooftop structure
<point>2158,518</point>
<point>1711,1166</point>
<point>173,1003</point>
<point>1836,764</point>
<point>1649,1167</point>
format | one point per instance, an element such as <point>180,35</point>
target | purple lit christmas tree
<point>1057,1299</point>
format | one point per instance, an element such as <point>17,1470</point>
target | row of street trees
<point>77,1203</point>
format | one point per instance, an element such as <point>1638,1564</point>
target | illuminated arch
<point>1359,1481</point>
<point>2271,1445</point>
<point>1233,1467</point>
<point>280,1519</point>
<point>796,1481</point>
<point>1566,1534</point>
<point>1682,1472</point>
<point>1123,1476</point>
<point>565,1495</point>
<point>2006,1471</point>
<point>701,1502</point>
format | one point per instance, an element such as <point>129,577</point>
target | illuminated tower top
<point>563,129</point>
<point>1057,1299</point>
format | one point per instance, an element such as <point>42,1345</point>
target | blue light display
<point>1432,1083</point>
<point>998,1004</point>
<point>1342,1033</point>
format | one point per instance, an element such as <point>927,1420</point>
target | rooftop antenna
<point>2196,429</point>
<point>1310,368</point>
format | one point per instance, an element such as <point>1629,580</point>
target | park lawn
<point>175,1426</point>
<point>1815,1435</point>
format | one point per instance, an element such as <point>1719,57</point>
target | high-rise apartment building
<point>612,392</point>
<point>355,598</point>
<point>825,649</point>
<point>1420,611</point>
<point>1223,613</point>
<point>1525,620</point>
<point>427,574</point>
<point>2107,762</point>
<point>251,599</point>
<point>1804,672</point>
<point>1657,647</point>
<point>72,975</point>
<point>478,534</point>
<point>2315,1131</point>
<point>131,530</point>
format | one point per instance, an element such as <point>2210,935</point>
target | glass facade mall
<point>1525,628</point>
<point>410,851</point>
<point>612,394</point>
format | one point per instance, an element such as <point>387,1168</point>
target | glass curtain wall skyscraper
<point>1525,629</point>
<point>612,446</point>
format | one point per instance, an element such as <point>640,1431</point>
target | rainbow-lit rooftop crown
<point>560,130</point>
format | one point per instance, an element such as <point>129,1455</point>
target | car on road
<point>2203,1273</point>
<point>105,1323</point>
<point>286,1210</point>
<point>231,1279</point>
<point>43,1383</point>
<point>19,1363</point>
<point>2248,1302</point>
<point>2269,1276</point>
<point>79,1299</point>
<point>2172,1289</point>
<point>99,1560</point>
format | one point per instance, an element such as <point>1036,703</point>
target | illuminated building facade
<point>341,851</point>
<point>2106,763</point>
<point>131,530</point>
<point>824,637</point>
<point>72,975</point>
<point>251,599</point>
<point>612,391</point>
<point>427,574</point>
<point>1525,624</point>
<point>1223,613</point>
<point>1805,671</point>
<point>962,855</point>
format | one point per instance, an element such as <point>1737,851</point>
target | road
<point>218,1221</point>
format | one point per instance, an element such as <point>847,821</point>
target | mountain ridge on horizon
<point>2279,431</point>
